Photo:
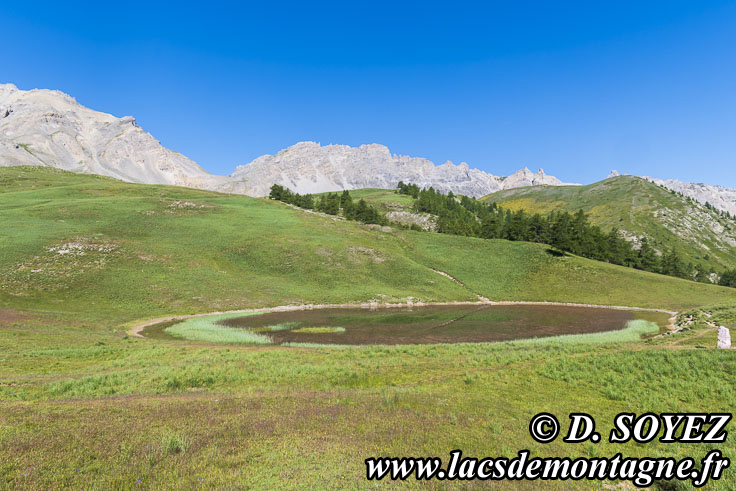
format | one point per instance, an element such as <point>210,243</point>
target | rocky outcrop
<point>309,167</point>
<point>50,128</point>
<point>425,221</point>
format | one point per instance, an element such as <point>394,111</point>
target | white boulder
<point>724,337</point>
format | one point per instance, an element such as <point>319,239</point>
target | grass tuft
<point>173,444</point>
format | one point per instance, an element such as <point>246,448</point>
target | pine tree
<point>672,264</point>
<point>322,204</point>
<point>648,260</point>
<point>346,200</point>
<point>276,192</point>
<point>332,204</point>
<point>728,278</point>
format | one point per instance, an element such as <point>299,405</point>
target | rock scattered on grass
<point>724,337</point>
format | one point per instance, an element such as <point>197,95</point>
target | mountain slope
<point>639,208</point>
<point>721,197</point>
<point>308,167</point>
<point>93,245</point>
<point>50,128</point>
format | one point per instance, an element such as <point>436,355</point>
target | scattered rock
<point>372,254</point>
<point>423,220</point>
<point>80,248</point>
<point>185,205</point>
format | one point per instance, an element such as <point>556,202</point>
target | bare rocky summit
<point>309,167</point>
<point>50,128</point>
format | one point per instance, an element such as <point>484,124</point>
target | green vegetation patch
<point>319,330</point>
<point>634,331</point>
<point>207,329</point>
<point>283,326</point>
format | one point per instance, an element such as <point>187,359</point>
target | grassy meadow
<point>85,405</point>
<point>384,200</point>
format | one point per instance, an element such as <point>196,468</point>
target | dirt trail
<point>479,296</point>
<point>697,335</point>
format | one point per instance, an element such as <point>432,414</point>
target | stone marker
<point>724,337</point>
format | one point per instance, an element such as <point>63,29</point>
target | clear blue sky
<point>574,87</point>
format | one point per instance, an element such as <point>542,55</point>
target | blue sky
<point>578,88</point>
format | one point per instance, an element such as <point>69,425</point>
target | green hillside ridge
<point>385,200</point>
<point>83,243</point>
<point>638,208</point>
<point>83,405</point>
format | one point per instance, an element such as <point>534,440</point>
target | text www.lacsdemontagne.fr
<point>639,471</point>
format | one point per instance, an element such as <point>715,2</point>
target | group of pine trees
<point>567,232</point>
<point>330,203</point>
<point>728,278</point>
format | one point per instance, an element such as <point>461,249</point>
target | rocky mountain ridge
<point>309,167</point>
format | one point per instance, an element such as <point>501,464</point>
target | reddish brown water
<point>435,324</point>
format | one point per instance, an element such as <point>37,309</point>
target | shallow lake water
<point>433,324</point>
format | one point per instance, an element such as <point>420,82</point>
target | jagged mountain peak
<point>308,167</point>
<point>525,177</point>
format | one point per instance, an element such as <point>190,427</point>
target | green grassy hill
<point>90,244</point>
<point>384,200</point>
<point>82,405</point>
<point>638,208</point>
